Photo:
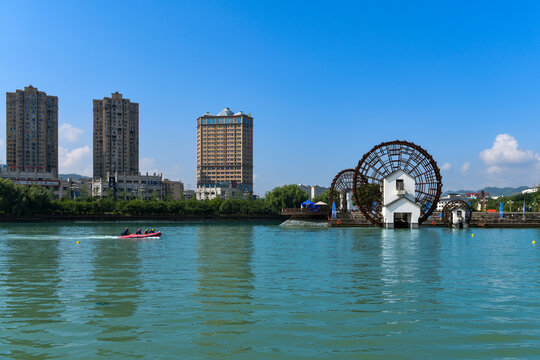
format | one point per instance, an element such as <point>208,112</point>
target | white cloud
<point>505,151</point>
<point>446,166</point>
<point>147,165</point>
<point>493,170</point>
<point>75,161</point>
<point>465,167</point>
<point>69,133</point>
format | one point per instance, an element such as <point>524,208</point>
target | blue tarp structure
<point>310,205</point>
<point>334,211</point>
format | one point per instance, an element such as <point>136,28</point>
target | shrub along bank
<point>18,200</point>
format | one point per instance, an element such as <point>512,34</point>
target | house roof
<point>399,170</point>
<point>407,197</point>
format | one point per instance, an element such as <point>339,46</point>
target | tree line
<point>19,200</point>
<point>515,202</point>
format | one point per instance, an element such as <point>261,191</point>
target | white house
<point>458,218</point>
<point>531,190</point>
<point>399,206</point>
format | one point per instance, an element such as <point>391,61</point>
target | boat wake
<point>57,237</point>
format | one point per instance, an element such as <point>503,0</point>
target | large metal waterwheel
<point>387,158</point>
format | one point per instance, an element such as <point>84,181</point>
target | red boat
<point>136,236</point>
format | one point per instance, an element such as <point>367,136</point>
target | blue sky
<point>325,81</point>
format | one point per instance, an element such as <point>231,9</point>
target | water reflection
<point>224,287</point>
<point>32,306</point>
<point>118,286</point>
<point>367,274</point>
<point>410,265</point>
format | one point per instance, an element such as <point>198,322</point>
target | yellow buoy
<point>472,235</point>
<point>78,242</point>
<point>534,241</point>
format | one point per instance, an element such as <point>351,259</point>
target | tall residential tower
<point>116,137</point>
<point>32,131</point>
<point>225,151</point>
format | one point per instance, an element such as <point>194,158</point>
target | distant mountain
<point>493,191</point>
<point>73,177</point>
<point>318,189</point>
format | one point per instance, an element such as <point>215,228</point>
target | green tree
<point>287,196</point>
<point>9,196</point>
<point>369,194</point>
<point>322,197</point>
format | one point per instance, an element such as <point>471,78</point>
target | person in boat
<point>146,231</point>
<point>153,231</point>
<point>139,232</point>
<point>126,232</point>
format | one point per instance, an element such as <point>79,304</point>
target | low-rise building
<point>531,190</point>
<point>74,189</point>
<point>399,205</point>
<point>189,194</point>
<point>129,187</point>
<point>173,190</point>
<point>34,178</point>
<point>223,190</point>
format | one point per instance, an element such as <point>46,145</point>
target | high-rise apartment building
<point>32,131</point>
<point>116,137</point>
<point>225,151</point>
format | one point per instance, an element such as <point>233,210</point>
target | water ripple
<point>248,291</point>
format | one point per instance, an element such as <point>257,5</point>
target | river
<point>258,291</point>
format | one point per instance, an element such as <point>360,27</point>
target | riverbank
<point>129,218</point>
<point>478,219</point>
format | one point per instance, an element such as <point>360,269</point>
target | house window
<point>400,185</point>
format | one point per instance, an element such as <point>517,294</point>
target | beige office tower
<point>32,131</point>
<point>225,151</point>
<point>116,137</point>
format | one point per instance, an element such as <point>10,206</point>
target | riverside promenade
<point>478,219</point>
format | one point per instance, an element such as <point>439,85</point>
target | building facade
<point>32,131</point>
<point>223,190</point>
<point>189,194</point>
<point>173,190</point>
<point>399,205</point>
<point>74,189</point>
<point>225,151</point>
<point>43,179</point>
<point>116,136</point>
<point>127,187</point>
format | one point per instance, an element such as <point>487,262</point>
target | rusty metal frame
<point>342,183</point>
<point>452,205</point>
<point>388,157</point>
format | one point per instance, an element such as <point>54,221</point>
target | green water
<point>243,291</point>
